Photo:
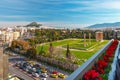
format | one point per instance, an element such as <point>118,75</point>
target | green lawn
<point>80,44</point>
<point>77,47</point>
<point>87,54</point>
<point>59,43</point>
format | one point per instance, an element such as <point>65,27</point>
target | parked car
<point>54,72</point>
<point>43,70</point>
<point>61,75</point>
<point>34,69</point>
<point>30,71</point>
<point>43,78</point>
<point>38,71</point>
<point>21,67</point>
<point>36,65</point>
<point>54,75</point>
<point>25,64</point>
<point>44,75</point>
<point>29,67</point>
<point>17,64</point>
<point>35,74</point>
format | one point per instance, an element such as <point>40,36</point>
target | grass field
<point>59,43</point>
<point>76,47</point>
<point>80,44</point>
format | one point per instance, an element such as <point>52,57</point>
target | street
<point>22,74</point>
<point>19,73</point>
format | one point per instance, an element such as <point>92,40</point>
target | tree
<point>31,53</point>
<point>24,45</point>
<point>68,54</point>
<point>14,44</point>
<point>32,41</point>
<point>51,49</point>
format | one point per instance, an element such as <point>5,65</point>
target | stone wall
<point>62,64</point>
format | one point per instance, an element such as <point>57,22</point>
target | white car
<point>43,79</point>
<point>34,69</point>
<point>35,74</point>
<point>29,67</point>
<point>44,75</point>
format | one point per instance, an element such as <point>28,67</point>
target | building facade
<point>3,65</point>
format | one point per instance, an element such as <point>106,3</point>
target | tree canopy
<point>31,52</point>
<point>24,45</point>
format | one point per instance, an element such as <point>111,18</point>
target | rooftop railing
<point>78,73</point>
<point>115,72</point>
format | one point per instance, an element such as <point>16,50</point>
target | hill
<point>105,25</point>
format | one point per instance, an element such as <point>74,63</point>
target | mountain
<point>105,25</point>
<point>33,24</point>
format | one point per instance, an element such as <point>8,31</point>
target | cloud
<point>14,18</point>
<point>19,16</point>
<point>79,11</point>
<point>110,5</point>
<point>96,5</point>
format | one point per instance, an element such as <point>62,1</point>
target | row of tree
<point>31,51</point>
<point>49,35</point>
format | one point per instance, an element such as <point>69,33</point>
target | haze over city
<point>80,12</point>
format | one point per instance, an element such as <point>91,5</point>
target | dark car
<point>30,71</point>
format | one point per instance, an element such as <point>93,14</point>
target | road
<point>19,73</point>
<point>26,76</point>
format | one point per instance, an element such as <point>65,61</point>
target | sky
<point>79,12</point>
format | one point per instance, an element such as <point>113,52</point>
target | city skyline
<point>83,12</point>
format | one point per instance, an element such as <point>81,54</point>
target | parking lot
<point>36,70</point>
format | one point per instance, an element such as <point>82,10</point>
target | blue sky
<point>60,11</point>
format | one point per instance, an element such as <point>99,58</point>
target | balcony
<point>113,74</point>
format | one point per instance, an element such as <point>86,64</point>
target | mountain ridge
<point>105,25</point>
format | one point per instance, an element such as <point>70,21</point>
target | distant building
<point>31,28</point>
<point>99,36</point>
<point>22,30</point>
<point>7,36</point>
<point>116,33</point>
<point>16,35</point>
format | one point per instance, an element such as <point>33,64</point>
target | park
<point>77,48</point>
<point>67,53</point>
